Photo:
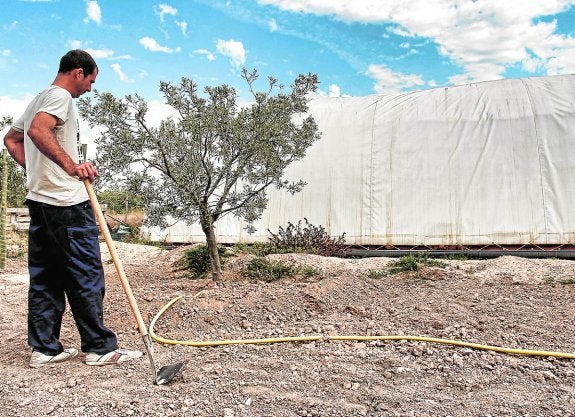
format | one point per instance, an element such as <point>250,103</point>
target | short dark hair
<point>77,59</point>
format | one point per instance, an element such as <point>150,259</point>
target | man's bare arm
<point>14,142</point>
<point>41,132</point>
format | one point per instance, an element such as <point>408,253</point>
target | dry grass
<point>16,243</point>
<point>134,218</point>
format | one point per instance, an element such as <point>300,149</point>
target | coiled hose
<point>355,338</point>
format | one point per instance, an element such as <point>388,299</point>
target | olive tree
<point>214,158</point>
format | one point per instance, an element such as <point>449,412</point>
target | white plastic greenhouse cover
<point>483,163</point>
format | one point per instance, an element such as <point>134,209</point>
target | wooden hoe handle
<point>115,258</point>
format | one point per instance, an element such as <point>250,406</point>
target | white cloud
<point>117,68</point>
<point>13,107</point>
<point>334,91</point>
<point>484,37</point>
<point>389,82</point>
<point>158,111</point>
<point>100,53</point>
<point>6,58</point>
<point>103,53</point>
<point>233,50</point>
<point>563,63</point>
<point>183,27</point>
<point>75,44</point>
<point>209,55</point>
<point>164,9</point>
<point>11,26</point>
<point>93,12</point>
<point>273,25</point>
<point>152,45</point>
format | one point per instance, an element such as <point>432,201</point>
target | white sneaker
<point>39,359</point>
<point>114,357</point>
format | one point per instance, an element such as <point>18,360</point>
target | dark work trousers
<point>64,261</point>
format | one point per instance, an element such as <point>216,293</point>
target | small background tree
<point>16,184</point>
<point>120,201</point>
<point>16,181</point>
<point>3,196</point>
<point>214,159</point>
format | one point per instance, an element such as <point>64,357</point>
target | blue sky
<point>356,48</point>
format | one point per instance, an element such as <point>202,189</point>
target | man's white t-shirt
<point>46,181</point>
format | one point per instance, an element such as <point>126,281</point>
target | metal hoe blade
<point>166,373</point>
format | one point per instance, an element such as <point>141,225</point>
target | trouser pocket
<point>84,249</point>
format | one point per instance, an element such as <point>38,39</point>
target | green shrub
<point>119,200</point>
<point>16,244</point>
<point>307,239</point>
<point>139,238</point>
<point>412,263</point>
<point>197,260</point>
<point>377,274</point>
<point>561,281</point>
<point>308,271</point>
<point>264,270</point>
<point>257,249</point>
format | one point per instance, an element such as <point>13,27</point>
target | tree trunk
<point>208,229</point>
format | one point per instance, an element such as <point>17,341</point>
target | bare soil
<point>511,302</point>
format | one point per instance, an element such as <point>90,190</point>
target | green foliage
<point>136,236</point>
<point>257,249</point>
<point>413,263</point>
<point>377,274</point>
<point>213,158</point>
<point>118,200</point>
<point>308,271</point>
<point>307,239</point>
<point>197,260</point>
<point>262,269</point>
<point>16,244</point>
<point>16,191</point>
<point>409,263</point>
<point>16,184</point>
<point>558,281</point>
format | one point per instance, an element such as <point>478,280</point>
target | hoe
<point>168,372</point>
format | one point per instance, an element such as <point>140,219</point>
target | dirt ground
<point>510,302</point>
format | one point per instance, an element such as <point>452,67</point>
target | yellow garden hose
<point>355,338</point>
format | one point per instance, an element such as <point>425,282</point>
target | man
<point>64,258</point>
